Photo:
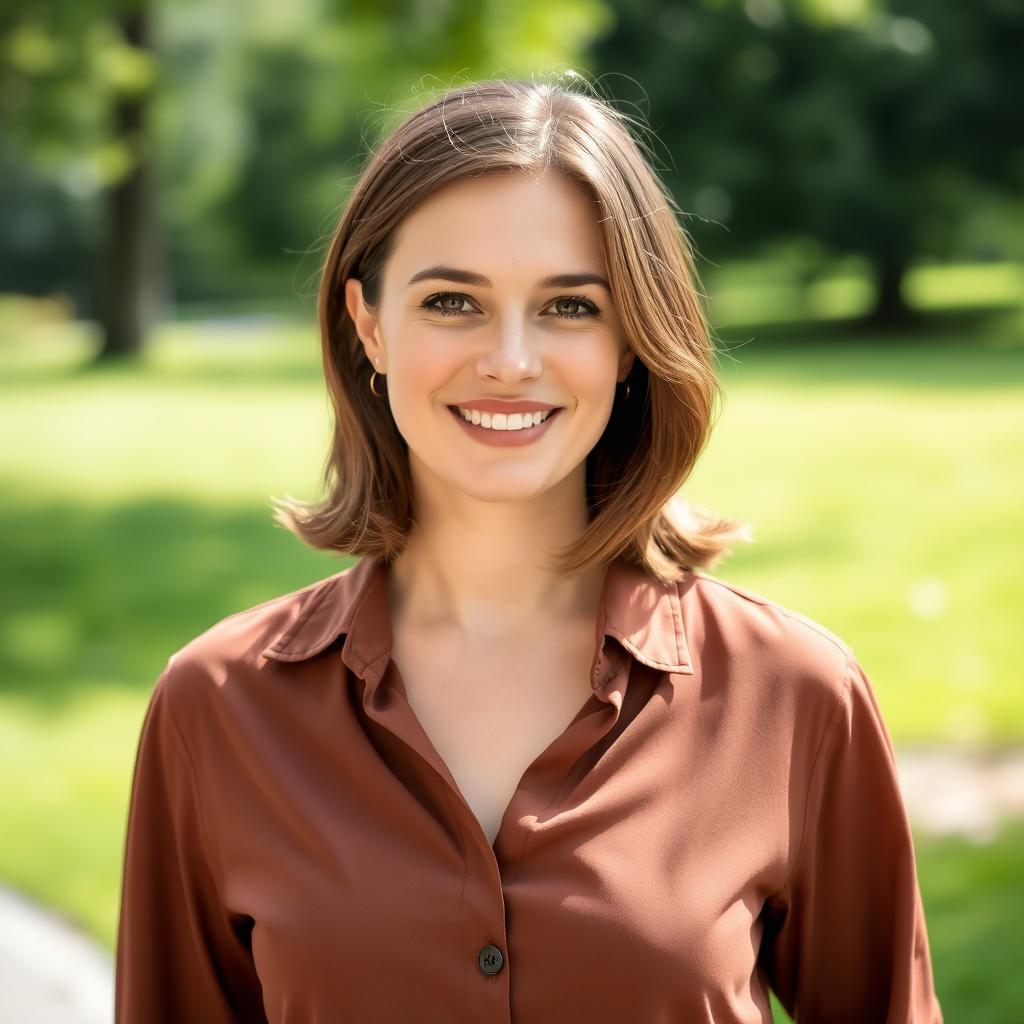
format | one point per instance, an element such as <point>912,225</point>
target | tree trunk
<point>128,273</point>
<point>890,308</point>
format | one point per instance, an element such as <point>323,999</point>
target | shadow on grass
<point>286,368</point>
<point>94,596</point>
<point>930,353</point>
<point>968,323</point>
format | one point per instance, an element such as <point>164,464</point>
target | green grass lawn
<point>881,476</point>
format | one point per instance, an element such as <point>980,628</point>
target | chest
<point>489,712</point>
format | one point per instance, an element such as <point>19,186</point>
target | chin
<point>503,491</point>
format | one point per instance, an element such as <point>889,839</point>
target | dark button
<point>490,959</point>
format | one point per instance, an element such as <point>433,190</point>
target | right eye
<point>455,297</point>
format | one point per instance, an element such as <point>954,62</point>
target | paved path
<point>956,792</point>
<point>51,974</point>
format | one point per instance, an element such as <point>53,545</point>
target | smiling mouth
<point>500,423</point>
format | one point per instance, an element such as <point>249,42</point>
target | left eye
<point>586,308</point>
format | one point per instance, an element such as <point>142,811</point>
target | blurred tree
<point>75,83</point>
<point>865,127</point>
<point>859,126</point>
<point>240,122</point>
<point>319,84</point>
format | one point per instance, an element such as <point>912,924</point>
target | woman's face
<point>467,318</point>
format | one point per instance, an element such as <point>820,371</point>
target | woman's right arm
<point>178,957</point>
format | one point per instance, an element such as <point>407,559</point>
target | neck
<point>482,571</point>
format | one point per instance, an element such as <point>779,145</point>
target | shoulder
<point>235,647</point>
<point>764,637</point>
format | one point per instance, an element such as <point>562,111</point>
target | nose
<point>513,355</point>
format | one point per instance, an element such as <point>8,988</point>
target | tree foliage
<point>867,128</point>
<point>858,127</point>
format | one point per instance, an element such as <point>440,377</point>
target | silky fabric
<point>721,818</point>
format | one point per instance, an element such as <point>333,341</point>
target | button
<point>490,959</point>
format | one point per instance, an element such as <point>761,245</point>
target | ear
<point>626,363</point>
<point>366,322</point>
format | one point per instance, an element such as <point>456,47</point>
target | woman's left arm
<point>845,938</point>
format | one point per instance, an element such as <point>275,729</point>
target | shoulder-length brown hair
<point>653,438</point>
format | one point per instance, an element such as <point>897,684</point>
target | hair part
<point>652,441</point>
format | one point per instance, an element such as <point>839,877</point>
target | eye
<point>586,310</point>
<point>445,310</point>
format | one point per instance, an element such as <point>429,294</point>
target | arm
<point>845,937</point>
<point>178,956</point>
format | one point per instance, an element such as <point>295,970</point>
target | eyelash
<point>593,310</point>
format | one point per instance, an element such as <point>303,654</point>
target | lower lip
<point>505,438</point>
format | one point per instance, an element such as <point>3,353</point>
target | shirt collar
<point>643,614</point>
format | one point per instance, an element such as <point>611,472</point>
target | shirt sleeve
<point>845,937</point>
<point>178,957</point>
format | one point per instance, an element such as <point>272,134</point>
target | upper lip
<point>505,405</point>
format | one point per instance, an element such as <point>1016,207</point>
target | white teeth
<point>501,421</point>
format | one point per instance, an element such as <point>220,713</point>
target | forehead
<point>502,224</point>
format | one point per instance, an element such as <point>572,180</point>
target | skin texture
<point>475,566</point>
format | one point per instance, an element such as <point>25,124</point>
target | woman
<point>524,761</point>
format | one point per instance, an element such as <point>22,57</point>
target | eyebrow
<point>443,273</point>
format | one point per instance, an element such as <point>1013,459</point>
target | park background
<point>852,175</point>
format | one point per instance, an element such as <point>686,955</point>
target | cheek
<point>419,366</point>
<point>588,371</point>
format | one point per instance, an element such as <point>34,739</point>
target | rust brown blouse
<point>720,818</point>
